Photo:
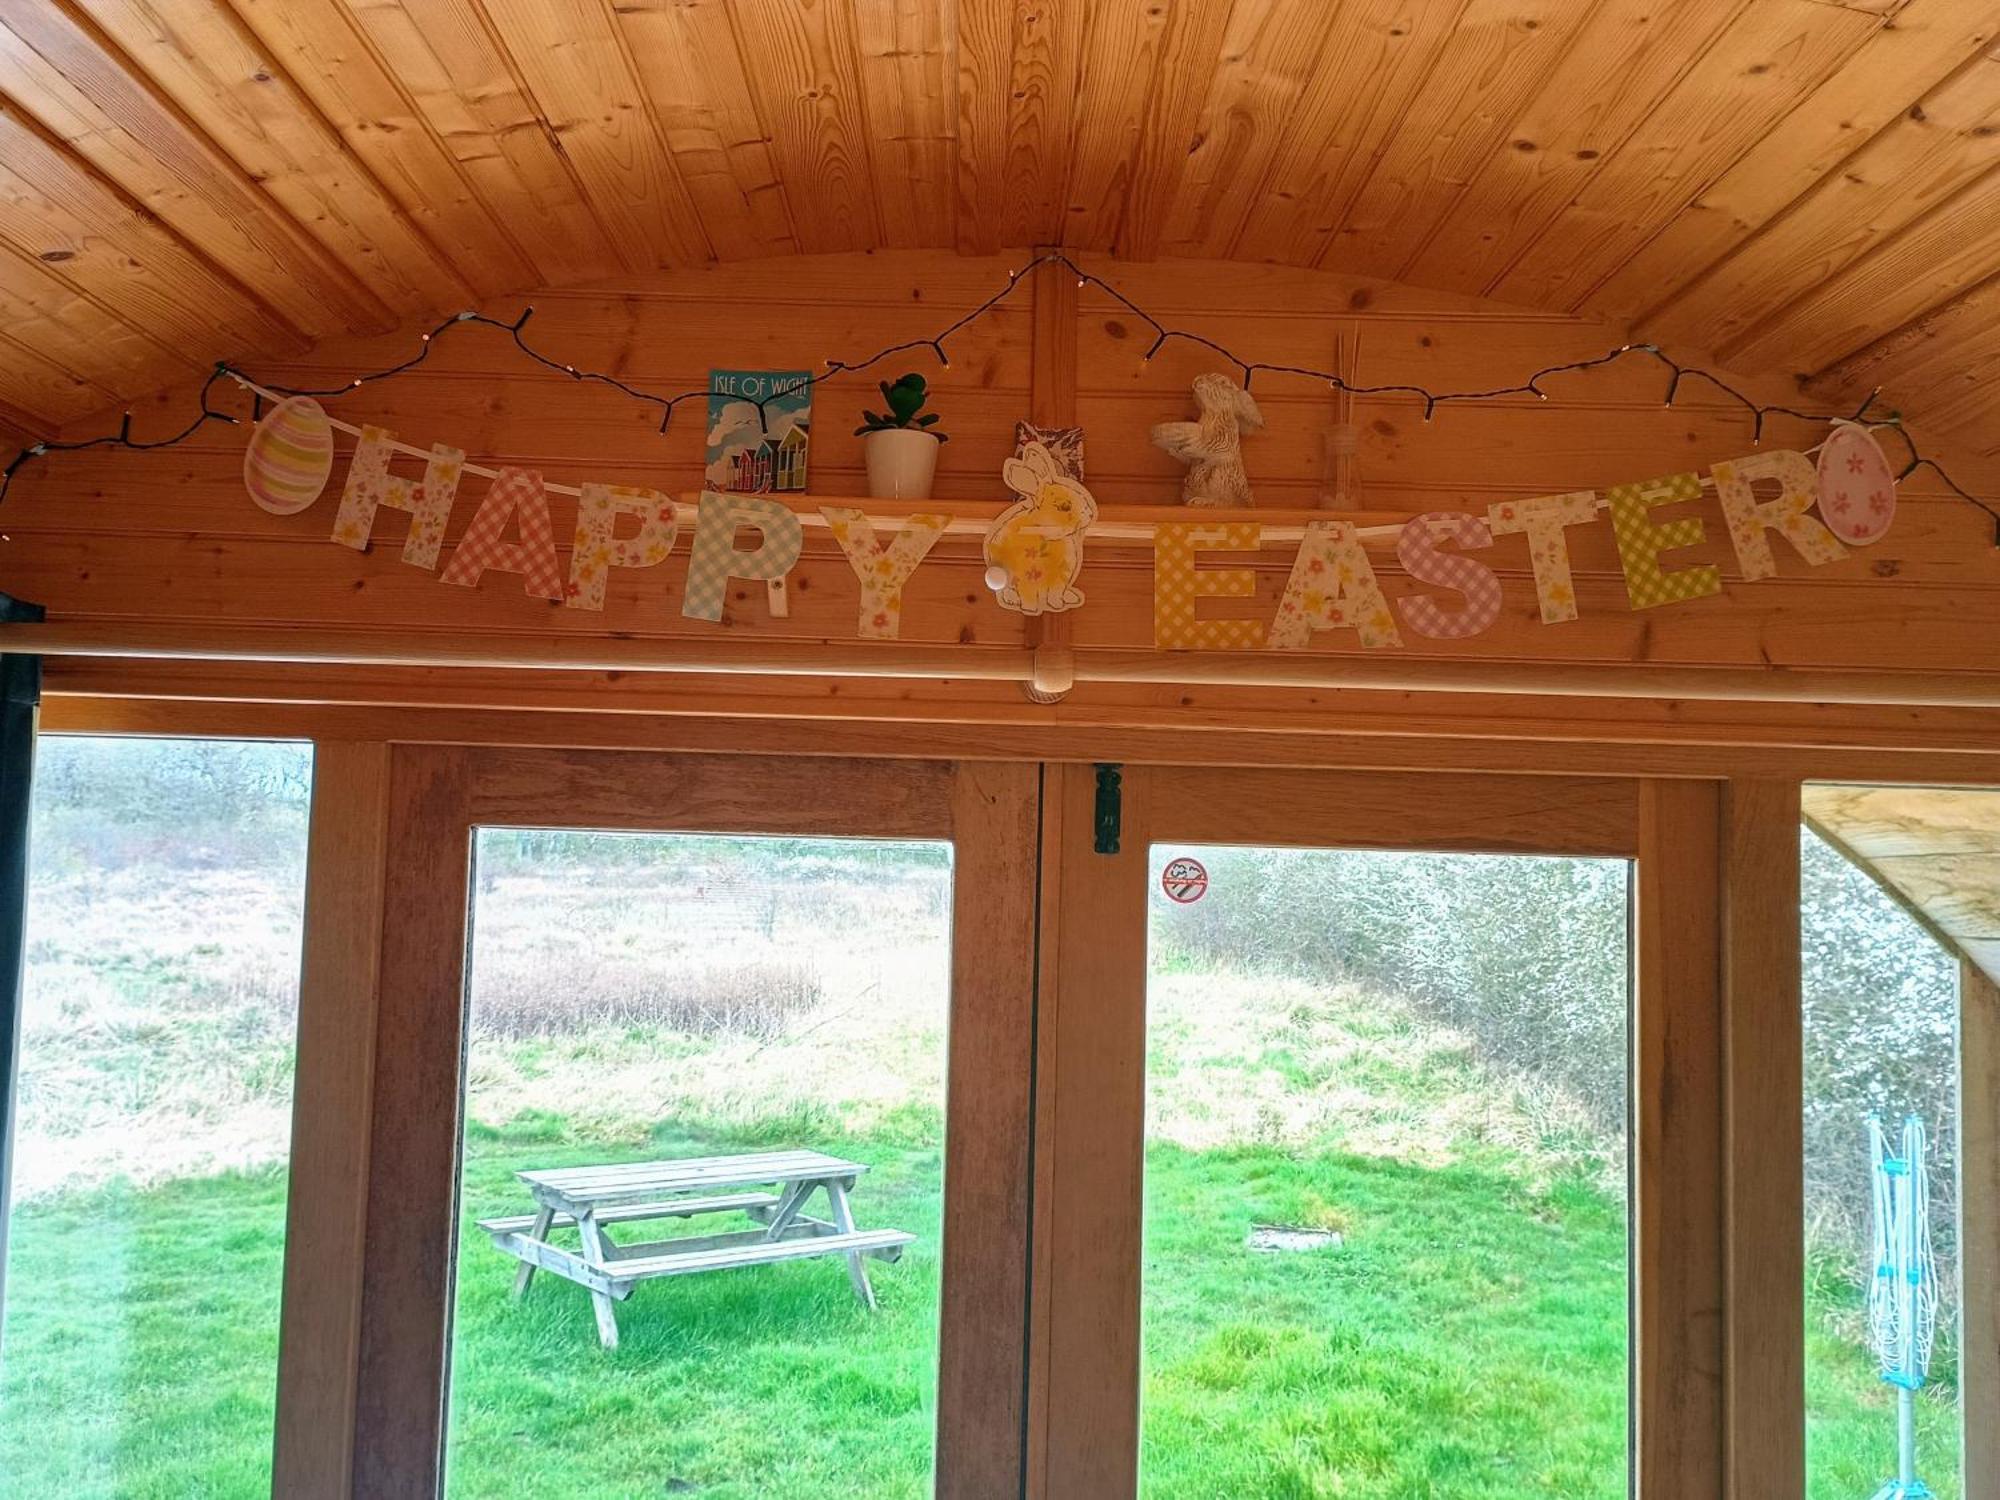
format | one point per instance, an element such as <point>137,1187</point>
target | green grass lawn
<point>1467,1342</point>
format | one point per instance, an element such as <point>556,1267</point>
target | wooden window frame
<point>1715,1017</point>
<point>364,1354</point>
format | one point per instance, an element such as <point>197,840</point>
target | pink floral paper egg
<point>1857,488</point>
<point>289,457</point>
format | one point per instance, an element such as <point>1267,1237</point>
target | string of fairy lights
<point>1162,334</point>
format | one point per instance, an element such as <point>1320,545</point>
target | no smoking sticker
<point>1184,880</point>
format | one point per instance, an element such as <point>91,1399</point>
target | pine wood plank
<point>324,54</point>
<point>1893,66</point>
<point>238,92</point>
<point>1376,810</point>
<point>1895,208</point>
<point>327,1188</point>
<point>1979,1223</point>
<point>1181,81</point>
<point>1498,56</point>
<point>1018,71</point>
<point>990,1161</point>
<point>575,67</point>
<point>1941,363</point>
<point>1369,70</point>
<point>693,73</point>
<point>1775,55</point>
<point>78,336</point>
<point>1623,58</point>
<point>802,60</point>
<point>40,393</point>
<point>52,66</point>
<point>1268,53</point>
<point>1764,1144</point>
<point>1955,247</point>
<point>908,80</point>
<point>1097,1142</point>
<point>459,78</point>
<point>411,1182</point>
<point>1143,76</point>
<point>54,209</point>
<point>1679,1301</point>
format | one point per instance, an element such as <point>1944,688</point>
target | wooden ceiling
<point>1798,186</point>
<point>1936,850</point>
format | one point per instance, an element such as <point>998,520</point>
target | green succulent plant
<point>906,398</point>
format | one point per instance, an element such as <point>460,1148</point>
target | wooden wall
<point>135,549</point>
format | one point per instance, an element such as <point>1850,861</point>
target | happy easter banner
<point>1035,549</point>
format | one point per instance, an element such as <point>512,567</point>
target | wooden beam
<point>326,1216</point>
<point>1764,1144</point>
<point>990,1103</point>
<point>1052,358</point>
<point>412,1181</point>
<point>1098,1147</point>
<point>1677,1213</point>
<point>1979,1225</point>
<point>1049,939</point>
<point>361,646</point>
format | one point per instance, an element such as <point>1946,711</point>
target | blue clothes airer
<point>1902,1296</point>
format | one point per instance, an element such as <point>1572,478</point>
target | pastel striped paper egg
<point>289,457</point>
<point>1857,488</point>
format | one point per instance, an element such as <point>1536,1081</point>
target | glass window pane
<point>1881,1041</point>
<point>647,1011</point>
<point>1386,1239</point>
<point>153,1119</point>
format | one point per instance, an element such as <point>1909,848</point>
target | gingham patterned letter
<point>517,493</point>
<point>1640,542</point>
<point>1417,550</point>
<point>715,559</point>
<point>1177,583</point>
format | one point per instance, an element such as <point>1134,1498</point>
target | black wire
<point>1162,334</point>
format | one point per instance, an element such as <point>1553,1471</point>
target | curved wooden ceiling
<point>1804,186</point>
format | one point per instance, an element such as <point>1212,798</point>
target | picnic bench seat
<point>632,1213</point>
<point>587,1199</point>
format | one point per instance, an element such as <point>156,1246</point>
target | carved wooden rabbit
<point>1034,550</point>
<point>1211,444</point>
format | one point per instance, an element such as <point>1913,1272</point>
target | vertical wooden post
<point>1099,1127</point>
<point>326,1212</point>
<point>1764,1144</point>
<point>983,1332</point>
<point>1048,997</point>
<point>1677,1211</point>
<point>1052,403</point>
<point>412,1185</point>
<point>1979,1225</point>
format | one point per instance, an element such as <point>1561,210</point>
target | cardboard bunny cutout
<point>1034,550</point>
<point>1211,445</point>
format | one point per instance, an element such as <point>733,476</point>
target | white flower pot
<point>902,462</point>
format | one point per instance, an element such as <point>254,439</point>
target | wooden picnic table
<point>771,1187</point>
